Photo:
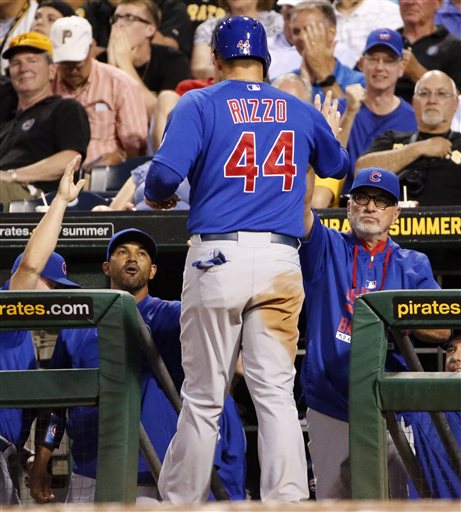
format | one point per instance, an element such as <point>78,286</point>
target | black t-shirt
<point>176,23</point>
<point>48,127</point>
<point>98,13</point>
<point>431,181</point>
<point>8,100</point>
<point>202,10</point>
<point>167,67</point>
<point>439,50</point>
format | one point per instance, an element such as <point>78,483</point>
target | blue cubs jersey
<point>443,481</point>
<point>245,148</point>
<point>16,353</point>
<point>368,125</point>
<point>78,348</point>
<point>336,269</point>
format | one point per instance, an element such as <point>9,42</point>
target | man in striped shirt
<point>112,99</point>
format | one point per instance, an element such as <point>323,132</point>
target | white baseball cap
<point>71,37</point>
<point>293,3</point>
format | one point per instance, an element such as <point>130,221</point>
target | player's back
<point>246,150</point>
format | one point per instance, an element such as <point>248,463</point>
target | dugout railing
<point>374,392</point>
<point>114,386</point>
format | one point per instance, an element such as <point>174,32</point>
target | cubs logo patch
<point>64,268</point>
<point>27,125</point>
<point>375,176</point>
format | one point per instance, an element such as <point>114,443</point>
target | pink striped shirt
<point>115,106</point>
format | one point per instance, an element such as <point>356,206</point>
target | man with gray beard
<point>428,161</point>
<point>337,268</point>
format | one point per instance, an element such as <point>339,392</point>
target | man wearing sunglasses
<point>337,267</point>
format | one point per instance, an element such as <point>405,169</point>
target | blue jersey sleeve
<point>185,124</point>
<point>161,182</point>
<point>312,251</point>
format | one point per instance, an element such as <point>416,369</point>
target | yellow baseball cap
<point>29,41</point>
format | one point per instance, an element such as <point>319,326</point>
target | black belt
<point>275,238</point>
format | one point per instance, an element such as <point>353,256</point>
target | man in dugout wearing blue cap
<point>337,267</point>
<point>34,269</point>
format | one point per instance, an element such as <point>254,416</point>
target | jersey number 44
<point>278,162</point>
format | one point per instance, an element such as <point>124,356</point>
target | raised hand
<point>68,190</point>
<point>329,110</point>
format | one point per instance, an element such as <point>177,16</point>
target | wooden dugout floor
<point>255,506</point>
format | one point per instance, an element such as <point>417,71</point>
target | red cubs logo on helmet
<point>375,176</point>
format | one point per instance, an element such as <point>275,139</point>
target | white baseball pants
<point>250,303</point>
<point>329,451</point>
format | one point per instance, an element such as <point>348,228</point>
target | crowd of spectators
<point>100,78</point>
<point>127,62</point>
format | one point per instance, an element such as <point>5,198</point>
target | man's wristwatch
<point>329,80</point>
<point>13,174</point>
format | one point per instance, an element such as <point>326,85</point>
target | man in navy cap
<point>37,268</point>
<point>337,267</point>
<point>130,265</point>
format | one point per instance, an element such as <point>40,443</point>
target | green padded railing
<point>114,386</point>
<point>373,391</point>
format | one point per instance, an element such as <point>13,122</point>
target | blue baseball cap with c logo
<point>378,178</point>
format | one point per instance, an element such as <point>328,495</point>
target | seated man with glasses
<point>337,267</point>
<point>372,110</point>
<point>155,67</point>
<point>427,161</point>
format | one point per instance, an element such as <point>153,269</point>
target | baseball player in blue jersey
<point>130,265</point>
<point>337,267</point>
<point>32,270</point>
<point>245,148</point>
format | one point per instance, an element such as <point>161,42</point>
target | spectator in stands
<point>428,161</point>
<point>8,99</point>
<point>449,15</point>
<point>155,67</point>
<point>32,270</point>
<point>130,265</point>
<point>355,19</point>
<point>313,27</point>
<point>98,14</point>
<point>202,10</point>
<point>337,267</point>
<point>201,64</point>
<point>429,46</point>
<point>285,57</point>
<point>375,109</point>
<point>15,18</point>
<point>175,29</point>
<point>47,13</point>
<point>112,99</point>
<point>36,145</point>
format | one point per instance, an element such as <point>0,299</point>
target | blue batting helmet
<point>241,36</point>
